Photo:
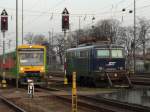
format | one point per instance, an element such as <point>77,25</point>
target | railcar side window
<point>83,54</point>
<point>73,54</point>
<point>102,53</point>
<point>116,53</point>
<point>68,54</point>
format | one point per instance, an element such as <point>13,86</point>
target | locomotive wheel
<point>89,81</point>
<point>81,81</point>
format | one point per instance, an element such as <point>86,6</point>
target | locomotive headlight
<point>115,75</point>
<point>100,68</point>
<point>121,68</point>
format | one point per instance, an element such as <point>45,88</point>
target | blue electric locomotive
<point>98,65</point>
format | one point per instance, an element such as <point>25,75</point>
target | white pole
<point>134,36</point>
<point>22,22</point>
<point>16,43</point>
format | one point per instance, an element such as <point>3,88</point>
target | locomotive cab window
<point>102,53</point>
<point>117,53</point>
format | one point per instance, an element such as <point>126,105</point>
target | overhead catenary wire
<point>39,14</point>
<point>48,12</point>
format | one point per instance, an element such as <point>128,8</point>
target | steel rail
<point>68,99</point>
<point>118,104</point>
<point>12,105</point>
<point>103,104</point>
<point>140,80</point>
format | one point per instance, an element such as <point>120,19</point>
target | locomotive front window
<point>102,53</point>
<point>116,53</point>
<point>31,58</point>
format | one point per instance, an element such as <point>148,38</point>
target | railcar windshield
<point>101,53</point>
<point>117,53</point>
<point>31,58</point>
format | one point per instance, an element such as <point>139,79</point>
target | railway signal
<point>4,28</point>
<point>4,21</point>
<point>65,26</point>
<point>65,20</point>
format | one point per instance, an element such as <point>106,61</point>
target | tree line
<point>110,30</point>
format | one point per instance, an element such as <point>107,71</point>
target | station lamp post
<point>133,43</point>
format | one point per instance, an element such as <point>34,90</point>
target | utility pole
<point>52,44</point>
<point>52,37</point>
<point>22,22</point>
<point>17,76</point>
<point>9,43</point>
<point>4,81</point>
<point>134,56</point>
<point>49,47</point>
<point>79,31</point>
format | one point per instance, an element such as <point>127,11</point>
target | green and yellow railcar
<point>32,63</point>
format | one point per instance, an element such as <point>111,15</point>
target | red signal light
<point>4,23</point>
<point>65,22</point>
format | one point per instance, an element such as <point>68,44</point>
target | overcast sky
<point>41,16</point>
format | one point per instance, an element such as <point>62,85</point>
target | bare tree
<point>29,38</point>
<point>60,49</point>
<point>62,45</point>
<point>39,39</point>
<point>143,29</point>
<point>125,38</point>
<point>106,30</point>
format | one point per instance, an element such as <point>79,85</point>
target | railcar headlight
<point>21,69</point>
<point>42,68</point>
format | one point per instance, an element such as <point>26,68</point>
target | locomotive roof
<point>96,46</point>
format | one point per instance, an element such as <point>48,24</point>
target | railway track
<point>116,106</point>
<point>141,79</point>
<point>97,104</point>
<point>10,107</point>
